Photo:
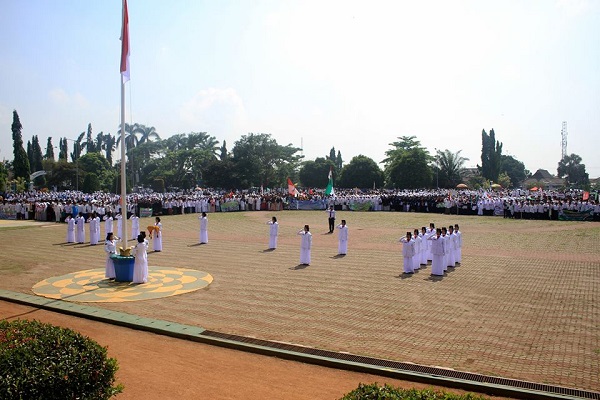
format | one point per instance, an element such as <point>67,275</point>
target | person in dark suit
<point>331,215</point>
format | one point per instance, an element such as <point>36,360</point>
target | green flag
<point>329,189</point>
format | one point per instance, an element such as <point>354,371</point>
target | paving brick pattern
<point>524,304</point>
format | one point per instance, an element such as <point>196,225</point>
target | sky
<point>354,75</point>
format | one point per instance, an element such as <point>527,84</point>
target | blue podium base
<point>123,267</point>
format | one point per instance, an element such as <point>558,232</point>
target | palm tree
<point>202,141</point>
<point>77,147</point>
<point>108,145</point>
<point>130,139</point>
<point>146,133</point>
<point>450,168</point>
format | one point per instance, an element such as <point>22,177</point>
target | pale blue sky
<point>350,74</point>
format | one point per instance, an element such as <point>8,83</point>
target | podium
<point>123,267</point>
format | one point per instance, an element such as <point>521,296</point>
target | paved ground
<point>524,304</point>
<point>154,367</point>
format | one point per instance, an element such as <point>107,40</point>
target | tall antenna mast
<point>563,134</point>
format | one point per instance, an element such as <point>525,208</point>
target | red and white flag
<point>125,44</point>
<point>292,188</point>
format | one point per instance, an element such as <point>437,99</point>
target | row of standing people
<point>76,229</point>
<point>441,246</point>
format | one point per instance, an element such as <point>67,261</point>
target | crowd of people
<point>519,204</point>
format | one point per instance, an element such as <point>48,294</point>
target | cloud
<point>216,111</point>
<point>60,97</point>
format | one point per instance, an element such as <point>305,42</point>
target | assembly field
<point>525,303</point>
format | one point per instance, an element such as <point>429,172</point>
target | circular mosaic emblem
<point>91,285</point>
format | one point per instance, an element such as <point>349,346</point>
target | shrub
<point>386,392</point>
<point>42,361</point>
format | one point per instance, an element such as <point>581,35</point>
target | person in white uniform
<point>203,228</point>
<point>108,223</point>
<point>80,230</point>
<point>408,252</point>
<point>343,238</point>
<point>418,248</point>
<point>305,245</point>
<point>157,240</point>
<point>458,250</point>
<point>119,219</point>
<point>140,266</point>
<point>135,226</point>
<point>110,247</point>
<point>70,229</point>
<point>437,251</point>
<point>273,233</point>
<point>94,222</point>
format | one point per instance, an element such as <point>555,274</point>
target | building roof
<point>542,174</point>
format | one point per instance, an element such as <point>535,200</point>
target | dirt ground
<point>524,304</point>
<point>156,367</point>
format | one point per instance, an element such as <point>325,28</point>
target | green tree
<point>515,170</point>
<point>339,163</point>
<point>29,152</point>
<point>407,164</point>
<point>108,145</point>
<point>91,183</point>
<point>314,173</point>
<point>361,172</point>
<point>449,168</point>
<point>62,175</point>
<point>491,153</point>
<point>63,151</point>
<point>221,174</point>
<point>260,160</point>
<point>145,133</point>
<point>571,168</point>
<point>3,176</point>
<point>223,152</point>
<point>504,180</point>
<point>90,145</point>
<point>77,147</point>
<point>97,164</point>
<point>36,154</point>
<point>332,155</point>
<point>49,150</point>
<point>21,168</point>
<point>129,138</point>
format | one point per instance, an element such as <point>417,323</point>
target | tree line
<point>197,159</point>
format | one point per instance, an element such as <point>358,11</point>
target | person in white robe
<point>80,229</point>
<point>458,250</point>
<point>446,245</point>
<point>273,232</point>
<point>203,228</point>
<point>135,226</point>
<point>437,250</point>
<point>94,222</point>
<point>110,247</point>
<point>305,245</point>
<point>408,252</point>
<point>108,223</point>
<point>119,219</point>
<point>451,247</point>
<point>343,238</point>
<point>425,246</point>
<point>157,239</point>
<point>70,229</point>
<point>140,266</point>
<point>417,257</point>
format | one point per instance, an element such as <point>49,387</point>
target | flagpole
<point>123,76</point>
<point>123,177</point>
